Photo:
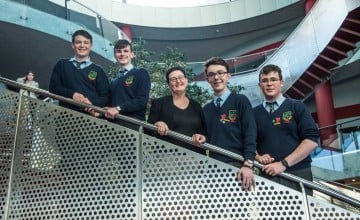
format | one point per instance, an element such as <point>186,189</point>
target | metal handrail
<point>187,139</point>
<point>98,16</point>
<point>250,58</point>
<point>340,124</point>
<point>338,184</point>
<point>100,19</point>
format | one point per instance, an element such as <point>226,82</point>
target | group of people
<point>84,81</point>
<point>280,133</point>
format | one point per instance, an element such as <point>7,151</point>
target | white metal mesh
<point>180,184</point>
<point>68,165</point>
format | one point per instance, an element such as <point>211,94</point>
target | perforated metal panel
<point>68,165</point>
<point>71,166</point>
<point>321,210</point>
<point>180,184</point>
<point>8,112</point>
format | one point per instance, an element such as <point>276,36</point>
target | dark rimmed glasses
<point>211,75</point>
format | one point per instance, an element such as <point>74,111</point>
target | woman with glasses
<point>177,112</point>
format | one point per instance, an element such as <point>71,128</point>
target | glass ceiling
<point>172,3</point>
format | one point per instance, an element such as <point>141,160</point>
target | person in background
<point>28,79</point>
<point>130,90</point>
<point>79,78</point>
<point>177,112</point>
<point>230,121</point>
<point>287,133</point>
<point>2,85</point>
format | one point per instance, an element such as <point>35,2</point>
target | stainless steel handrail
<point>340,124</point>
<point>99,18</point>
<point>338,184</point>
<point>187,139</point>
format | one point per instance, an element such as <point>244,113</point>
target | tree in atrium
<point>171,57</point>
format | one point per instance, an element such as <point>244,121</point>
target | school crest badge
<point>276,121</point>
<point>287,116</point>
<point>232,115</point>
<point>129,80</point>
<point>92,75</point>
<point>223,118</point>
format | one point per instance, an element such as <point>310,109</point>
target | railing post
<point>11,175</point>
<point>354,136</point>
<point>100,25</point>
<point>67,14</point>
<point>341,138</point>
<point>306,204</point>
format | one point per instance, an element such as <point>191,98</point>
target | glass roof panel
<point>172,3</point>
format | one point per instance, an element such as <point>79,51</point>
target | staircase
<point>312,50</point>
<point>341,46</point>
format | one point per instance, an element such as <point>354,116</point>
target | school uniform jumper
<point>232,127</point>
<point>90,81</point>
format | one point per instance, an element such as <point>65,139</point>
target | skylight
<point>172,3</point>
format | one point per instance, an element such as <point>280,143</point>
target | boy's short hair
<point>216,61</point>
<point>121,44</point>
<point>270,68</point>
<point>84,33</point>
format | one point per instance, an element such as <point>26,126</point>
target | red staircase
<point>343,42</point>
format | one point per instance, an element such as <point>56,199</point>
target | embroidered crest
<point>230,118</point>
<point>129,80</point>
<point>287,116</point>
<point>276,121</point>
<point>92,75</point>
<point>223,118</point>
<point>232,115</point>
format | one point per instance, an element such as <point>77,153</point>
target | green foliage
<point>200,94</point>
<point>235,88</point>
<point>171,57</point>
<point>112,71</point>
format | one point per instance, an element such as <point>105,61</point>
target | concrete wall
<point>231,11</point>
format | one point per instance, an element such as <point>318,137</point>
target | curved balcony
<point>305,66</point>
<point>199,16</point>
<point>39,33</point>
<point>62,20</point>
